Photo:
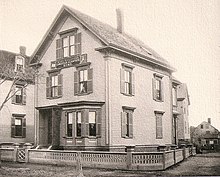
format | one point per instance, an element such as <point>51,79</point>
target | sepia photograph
<point>109,88</point>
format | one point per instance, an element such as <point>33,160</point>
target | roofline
<point>64,7</point>
<point>135,55</point>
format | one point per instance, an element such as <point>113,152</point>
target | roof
<point>110,37</point>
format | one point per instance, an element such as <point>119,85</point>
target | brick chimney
<point>120,20</point>
<point>209,120</point>
<point>22,50</point>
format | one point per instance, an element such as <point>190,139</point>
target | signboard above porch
<point>69,62</point>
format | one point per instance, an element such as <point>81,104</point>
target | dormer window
<point>68,45</point>
<point>19,64</point>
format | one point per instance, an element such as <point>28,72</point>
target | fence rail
<point>129,160</point>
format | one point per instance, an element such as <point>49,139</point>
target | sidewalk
<point>199,165</point>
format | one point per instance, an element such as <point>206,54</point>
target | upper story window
<point>19,94</point>
<point>201,126</point>
<point>127,122</point>
<point>19,63</point>
<point>83,80</point>
<point>18,126</point>
<point>68,45</point>
<point>158,94</point>
<point>127,80</point>
<point>54,84</point>
<point>174,96</point>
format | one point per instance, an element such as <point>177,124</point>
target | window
<point>201,126</point>
<point>92,123</point>
<point>69,124</point>
<point>127,80</point>
<point>19,95</point>
<point>19,63</point>
<point>78,124</point>
<point>174,94</point>
<point>159,124</point>
<point>127,123</point>
<point>158,88</point>
<point>83,79</point>
<point>54,86</point>
<point>18,126</point>
<point>68,45</point>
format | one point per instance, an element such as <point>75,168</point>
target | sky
<point>186,33</point>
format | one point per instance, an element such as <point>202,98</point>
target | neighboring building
<point>181,102</point>
<point>101,87</point>
<point>205,136</point>
<point>17,114</point>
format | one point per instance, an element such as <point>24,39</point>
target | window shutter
<point>76,82</point>
<point>24,128</point>
<point>59,48</point>
<point>122,81</point>
<point>90,80</point>
<point>98,123</point>
<point>13,99</point>
<point>78,43</point>
<point>60,85</point>
<point>132,84</point>
<point>12,127</point>
<point>130,125</point>
<point>64,124</point>
<point>154,88</point>
<point>85,127</point>
<point>48,87</point>
<point>24,96</point>
<point>123,125</point>
<point>162,90</point>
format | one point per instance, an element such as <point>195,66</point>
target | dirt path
<point>199,165</point>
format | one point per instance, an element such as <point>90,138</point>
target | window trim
<point>23,125</point>
<point>160,114</point>
<point>158,77</point>
<point>127,68</point>
<point>129,126</point>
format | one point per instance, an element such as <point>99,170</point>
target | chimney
<point>120,21</point>
<point>22,50</point>
<point>209,120</point>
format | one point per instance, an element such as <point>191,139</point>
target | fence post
<point>164,160</point>
<point>129,150</point>
<point>183,146</point>
<point>16,146</point>
<point>27,146</point>
<point>173,147</point>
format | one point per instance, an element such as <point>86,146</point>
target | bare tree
<point>7,73</point>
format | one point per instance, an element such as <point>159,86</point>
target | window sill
<point>127,137</point>
<point>51,98</point>
<point>130,95</point>
<point>158,100</point>
<point>83,94</point>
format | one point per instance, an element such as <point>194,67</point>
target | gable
<point>108,35</point>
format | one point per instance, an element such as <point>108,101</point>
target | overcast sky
<point>185,32</point>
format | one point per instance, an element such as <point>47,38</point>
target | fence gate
<point>21,155</point>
